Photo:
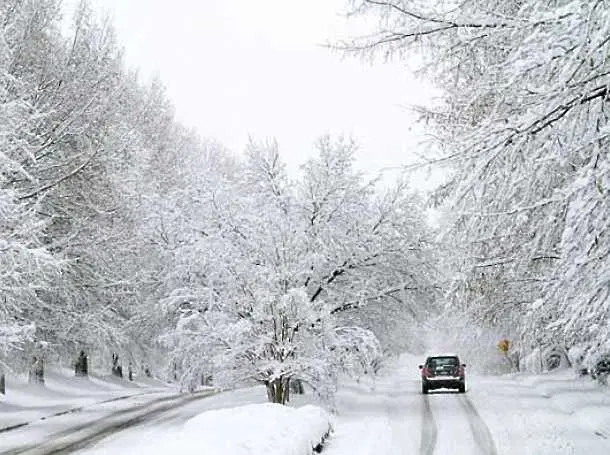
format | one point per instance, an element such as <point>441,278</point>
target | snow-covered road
<point>538,415</point>
<point>68,433</point>
<point>551,414</point>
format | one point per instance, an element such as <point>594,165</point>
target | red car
<point>443,372</point>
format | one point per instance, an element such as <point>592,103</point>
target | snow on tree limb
<point>280,258</point>
<point>524,123</point>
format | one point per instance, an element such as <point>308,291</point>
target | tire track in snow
<point>72,410</point>
<point>81,436</point>
<point>480,431</point>
<point>428,429</point>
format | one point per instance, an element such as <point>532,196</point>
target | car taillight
<point>424,372</point>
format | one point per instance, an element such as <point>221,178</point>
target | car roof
<point>447,354</point>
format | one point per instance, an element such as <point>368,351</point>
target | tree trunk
<point>81,367</point>
<point>278,390</point>
<point>2,384</point>
<point>37,371</point>
<point>296,386</point>
<point>117,368</point>
<point>270,392</point>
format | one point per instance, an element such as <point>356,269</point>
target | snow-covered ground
<point>547,414</point>
<point>63,393</point>
<point>520,414</point>
<point>31,414</point>
<point>238,422</point>
<point>266,428</point>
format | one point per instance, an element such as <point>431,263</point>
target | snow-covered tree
<point>76,128</point>
<point>523,123</point>
<point>276,262</point>
<point>27,267</point>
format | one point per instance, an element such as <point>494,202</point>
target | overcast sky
<point>236,68</point>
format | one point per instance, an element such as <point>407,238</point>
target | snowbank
<point>269,429</point>
<point>254,429</point>
<point>550,413</point>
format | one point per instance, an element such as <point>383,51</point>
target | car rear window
<point>442,361</point>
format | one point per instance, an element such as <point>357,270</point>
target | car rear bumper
<point>444,382</point>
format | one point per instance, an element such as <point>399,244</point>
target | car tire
<point>424,389</point>
<point>462,388</point>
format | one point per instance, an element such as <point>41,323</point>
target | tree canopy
<point>523,127</point>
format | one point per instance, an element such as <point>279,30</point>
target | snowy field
<point>547,414</point>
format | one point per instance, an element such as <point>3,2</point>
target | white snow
<point>255,429</point>
<point>221,428</point>
<point>547,414</point>
<point>65,401</point>
<point>270,429</point>
<point>553,413</point>
<point>63,392</point>
<point>543,414</point>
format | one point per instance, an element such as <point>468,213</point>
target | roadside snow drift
<point>255,429</point>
